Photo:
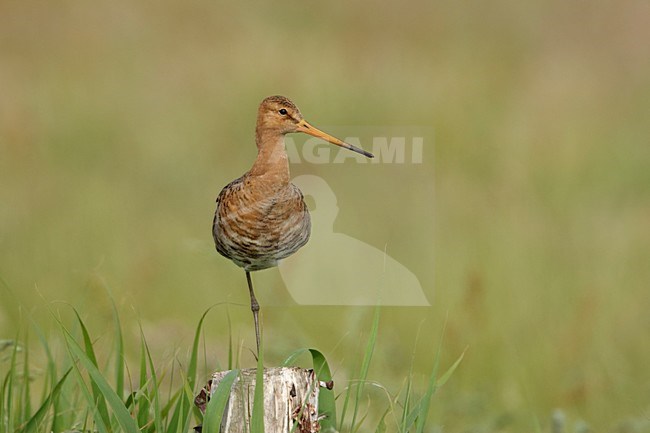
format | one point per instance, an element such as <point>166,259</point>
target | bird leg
<point>255,308</point>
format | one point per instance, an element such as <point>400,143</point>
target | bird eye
<point>283,111</point>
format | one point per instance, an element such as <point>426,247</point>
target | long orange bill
<point>305,127</point>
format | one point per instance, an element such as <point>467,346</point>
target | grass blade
<point>450,371</point>
<point>34,423</point>
<point>97,380</point>
<point>179,408</point>
<point>230,345</point>
<point>25,405</point>
<point>91,408</point>
<point>291,359</point>
<point>192,367</point>
<point>185,404</point>
<point>119,352</point>
<point>381,426</point>
<point>257,419</point>
<point>102,409</point>
<point>8,388</point>
<point>214,411</point>
<point>140,400</point>
<point>181,417</point>
<point>434,385</point>
<point>51,364</point>
<point>154,381</point>
<point>407,400</point>
<point>326,402</point>
<point>62,418</point>
<point>365,366</point>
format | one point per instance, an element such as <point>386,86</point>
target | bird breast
<point>256,225</point>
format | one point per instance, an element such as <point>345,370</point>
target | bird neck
<point>272,163</point>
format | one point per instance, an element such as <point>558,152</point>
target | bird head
<point>279,114</point>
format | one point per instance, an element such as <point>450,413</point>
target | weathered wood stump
<point>290,397</point>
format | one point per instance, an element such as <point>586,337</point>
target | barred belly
<point>256,229</point>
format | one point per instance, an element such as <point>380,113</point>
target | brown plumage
<point>261,217</point>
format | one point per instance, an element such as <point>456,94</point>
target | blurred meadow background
<point>527,222</point>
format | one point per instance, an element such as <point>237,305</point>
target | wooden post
<point>290,397</point>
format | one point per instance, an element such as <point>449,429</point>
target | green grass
<point>89,395</point>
